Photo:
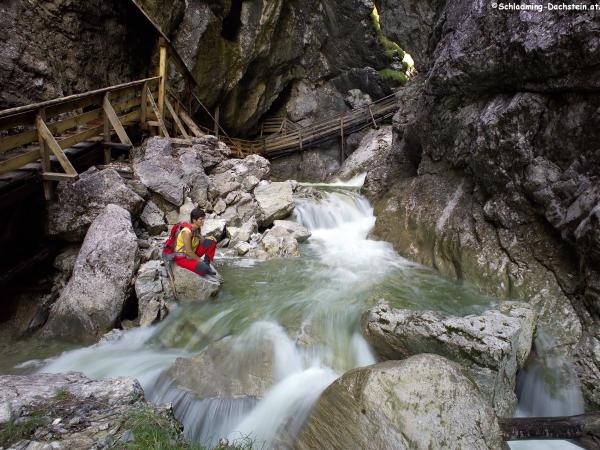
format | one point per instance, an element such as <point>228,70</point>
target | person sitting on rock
<point>192,251</point>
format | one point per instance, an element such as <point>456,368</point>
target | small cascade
<point>548,386</point>
<point>303,312</point>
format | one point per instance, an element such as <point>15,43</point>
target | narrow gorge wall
<point>498,149</point>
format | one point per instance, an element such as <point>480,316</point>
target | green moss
<point>13,432</point>
<point>393,75</point>
<point>391,47</point>
<point>151,431</point>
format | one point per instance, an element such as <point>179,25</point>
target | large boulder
<point>156,166</point>
<point>241,211</point>
<point>242,233</point>
<point>491,346</point>
<point>71,411</point>
<point>279,242</point>
<point>211,150</point>
<point>275,201</point>
<point>423,402</point>
<point>80,202</point>
<point>92,301</point>
<point>191,287</point>
<point>213,228</point>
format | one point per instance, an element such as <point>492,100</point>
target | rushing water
<point>306,309</point>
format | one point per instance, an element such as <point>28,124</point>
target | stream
<point>308,309</point>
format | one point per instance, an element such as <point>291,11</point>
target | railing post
<point>44,155</point>
<point>162,72</point>
<point>144,106</point>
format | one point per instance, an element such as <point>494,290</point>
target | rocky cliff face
<point>54,48</point>
<point>499,155</point>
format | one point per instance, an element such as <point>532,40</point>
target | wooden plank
<point>162,73</point>
<point>16,162</point>
<point>45,156</point>
<point>161,122</point>
<point>81,136</point>
<point>153,123</point>
<point>46,135</point>
<point>106,131</point>
<point>176,119</point>
<point>191,124</point>
<point>217,114</point>
<point>112,117</point>
<point>56,176</point>
<point>17,140</point>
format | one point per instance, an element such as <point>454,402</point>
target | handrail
<point>61,100</point>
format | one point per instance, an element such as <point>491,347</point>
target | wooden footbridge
<point>42,137</point>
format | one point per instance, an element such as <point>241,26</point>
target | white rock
<point>242,248</point>
<point>279,242</point>
<point>153,218</point>
<point>299,232</point>
<point>213,228</point>
<point>150,294</point>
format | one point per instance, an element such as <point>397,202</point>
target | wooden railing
<point>41,130</point>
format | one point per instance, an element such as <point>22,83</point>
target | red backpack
<point>171,242</point>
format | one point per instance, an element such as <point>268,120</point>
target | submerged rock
<point>423,402</point>
<point>93,299</point>
<point>71,411</point>
<point>80,202</point>
<point>192,287</point>
<point>491,346</point>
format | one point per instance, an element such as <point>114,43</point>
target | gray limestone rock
<point>275,201</point>
<point>78,203</point>
<point>244,232</point>
<point>423,402</point>
<point>156,166</point>
<point>93,299</point>
<point>279,242</point>
<point>191,287</point>
<point>153,218</point>
<point>74,412</point>
<point>491,346</point>
<point>298,232</point>
<point>213,228</point>
<point>150,292</point>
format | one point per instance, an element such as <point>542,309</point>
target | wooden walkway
<point>41,137</point>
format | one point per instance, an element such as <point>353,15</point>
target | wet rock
<point>279,242</point>
<point>153,218</point>
<point>436,220</point>
<point>93,299</point>
<point>192,287</point>
<point>491,346</point>
<point>298,232</point>
<point>242,248</point>
<point>275,201</point>
<point>156,166</point>
<point>74,412</point>
<point>150,292</point>
<point>78,203</point>
<point>228,368</point>
<point>422,402</point>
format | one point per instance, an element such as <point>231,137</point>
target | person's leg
<point>198,267</point>
<point>207,247</point>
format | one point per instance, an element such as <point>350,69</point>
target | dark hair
<point>197,213</point>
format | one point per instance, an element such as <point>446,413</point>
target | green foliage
<point>396,76</point>
<point>62,394</point>
<point>154,432</point>
<point>13,432</point>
